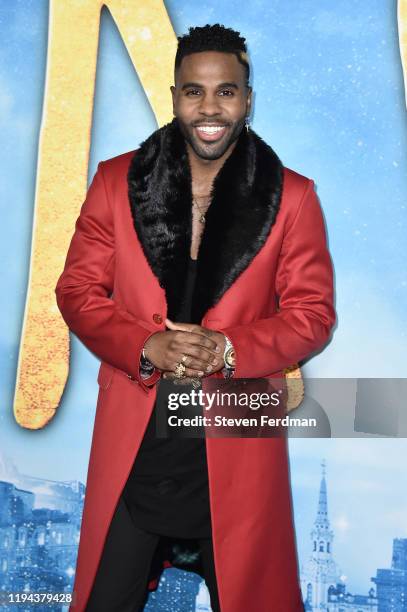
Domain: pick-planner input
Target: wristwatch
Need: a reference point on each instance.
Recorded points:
(229, 359)
(147, 368)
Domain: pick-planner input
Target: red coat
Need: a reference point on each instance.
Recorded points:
(277, 310)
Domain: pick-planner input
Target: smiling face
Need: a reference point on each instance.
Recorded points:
(211, 101)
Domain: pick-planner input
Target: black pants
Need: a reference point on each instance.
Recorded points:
(122, 576)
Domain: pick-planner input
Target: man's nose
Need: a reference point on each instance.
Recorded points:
(209, 105)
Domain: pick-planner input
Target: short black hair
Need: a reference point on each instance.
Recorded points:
(213, 38)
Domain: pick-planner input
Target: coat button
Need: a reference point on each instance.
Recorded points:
(157, 318)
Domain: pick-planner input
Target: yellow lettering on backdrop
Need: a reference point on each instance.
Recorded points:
(147, 33)
(402, 26)
(62, 172)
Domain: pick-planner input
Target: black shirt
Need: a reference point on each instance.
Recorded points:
(167, 489)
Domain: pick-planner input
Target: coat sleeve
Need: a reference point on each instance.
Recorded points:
(84, 288)
(304, 284)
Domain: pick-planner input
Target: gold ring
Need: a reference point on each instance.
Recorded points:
(180, 370)
(184, 358)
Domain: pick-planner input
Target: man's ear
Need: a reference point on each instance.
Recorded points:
(173, 91)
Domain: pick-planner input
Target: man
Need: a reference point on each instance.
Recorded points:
(258, 298)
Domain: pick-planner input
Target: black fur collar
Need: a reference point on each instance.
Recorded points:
(246, 199)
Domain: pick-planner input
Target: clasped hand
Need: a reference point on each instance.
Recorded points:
(202, 347)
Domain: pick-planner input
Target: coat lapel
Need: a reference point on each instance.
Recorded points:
(246, 197)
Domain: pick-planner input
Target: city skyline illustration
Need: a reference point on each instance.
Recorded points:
(39, 533)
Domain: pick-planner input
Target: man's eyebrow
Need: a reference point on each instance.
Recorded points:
(231, 85)
(200, 86)
(190, 84)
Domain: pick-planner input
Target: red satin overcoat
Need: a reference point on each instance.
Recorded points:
(110, 298)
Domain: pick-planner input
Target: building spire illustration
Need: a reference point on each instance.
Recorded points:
(320, 572)
(321, 521)
(323, 587)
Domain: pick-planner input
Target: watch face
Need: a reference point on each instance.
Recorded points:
(230, 358)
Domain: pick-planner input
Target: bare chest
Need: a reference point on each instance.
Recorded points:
(199, 209)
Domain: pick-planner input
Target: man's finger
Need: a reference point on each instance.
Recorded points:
(188, 327)
(197, 339)
(195, 329)
(189, 373)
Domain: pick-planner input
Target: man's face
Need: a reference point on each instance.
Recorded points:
(211, 101)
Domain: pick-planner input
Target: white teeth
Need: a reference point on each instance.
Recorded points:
(210, 129)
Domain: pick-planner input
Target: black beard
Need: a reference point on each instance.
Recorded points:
(211, 151)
